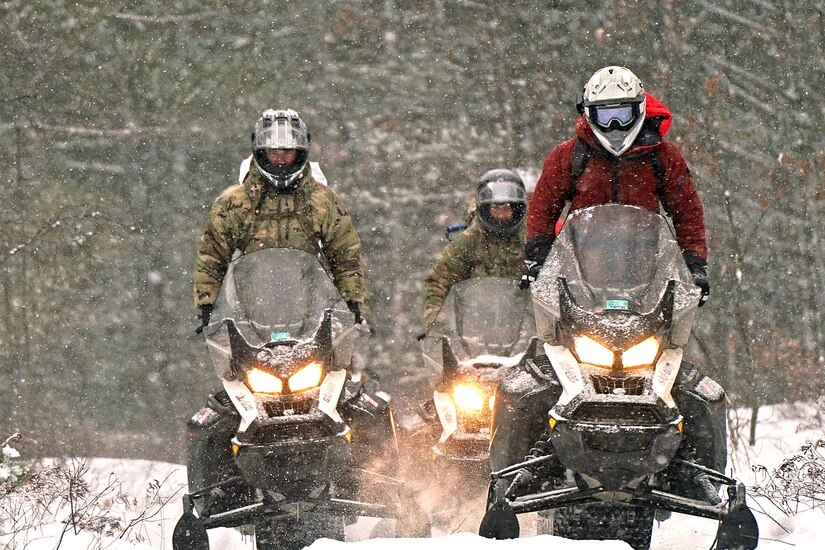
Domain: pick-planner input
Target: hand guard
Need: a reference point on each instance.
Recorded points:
(203, 315)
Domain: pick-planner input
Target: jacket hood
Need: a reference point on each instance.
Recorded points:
(658, 118)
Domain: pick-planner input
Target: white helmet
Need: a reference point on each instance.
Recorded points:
(613, 101)
(281, 129)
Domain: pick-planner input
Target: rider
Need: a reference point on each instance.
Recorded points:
(492, 245)
(618, 155)
(279, 205)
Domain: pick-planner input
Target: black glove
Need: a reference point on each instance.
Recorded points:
(699, 269)
(533, 269)
(535, 252)
(203, 315)
(355, 308)
(421, 336)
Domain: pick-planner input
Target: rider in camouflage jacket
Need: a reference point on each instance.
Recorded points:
(279, 205)
(492, 245)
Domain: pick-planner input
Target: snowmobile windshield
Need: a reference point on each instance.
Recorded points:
(487, 320)
(615, 258)
(277, 295)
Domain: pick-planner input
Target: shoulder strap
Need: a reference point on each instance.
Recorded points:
(658, 171)
(582, 153)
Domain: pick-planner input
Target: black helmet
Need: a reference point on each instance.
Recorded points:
(497, 187)
(282, 129)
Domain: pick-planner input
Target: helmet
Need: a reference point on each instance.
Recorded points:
(282, 129)
(613, 101)
(501, 187)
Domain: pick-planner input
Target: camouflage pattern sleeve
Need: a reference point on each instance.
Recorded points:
(453, 266)
(341, 245)
(224, 227)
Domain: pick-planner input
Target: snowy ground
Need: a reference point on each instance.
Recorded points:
(781, 432)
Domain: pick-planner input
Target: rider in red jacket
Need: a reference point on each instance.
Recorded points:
(618, 155)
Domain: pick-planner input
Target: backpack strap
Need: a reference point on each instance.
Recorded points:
(658, 171)
(582, 154)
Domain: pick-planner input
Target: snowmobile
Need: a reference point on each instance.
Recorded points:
(295, 445)
(632, 431)
(478, 336)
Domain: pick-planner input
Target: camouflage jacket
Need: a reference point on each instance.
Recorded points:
(252, 216)
(475, 253)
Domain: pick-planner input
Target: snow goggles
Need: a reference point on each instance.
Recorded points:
(612, 116)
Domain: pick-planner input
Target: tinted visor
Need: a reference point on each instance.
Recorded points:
(621, 116)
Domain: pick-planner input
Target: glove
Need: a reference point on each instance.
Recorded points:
(533, 269)
(699, 270)
(535, 252)
(355, 308)
(203, 315)
(421, 336)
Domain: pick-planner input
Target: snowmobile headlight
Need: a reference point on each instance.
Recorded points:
(468, 397)
(643, 353)
(307, 377)
(263, 382)
(592, 352)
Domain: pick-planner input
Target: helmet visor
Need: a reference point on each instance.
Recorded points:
(281, 134)
(499, 192)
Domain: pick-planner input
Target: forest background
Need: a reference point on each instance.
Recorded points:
(121, 122)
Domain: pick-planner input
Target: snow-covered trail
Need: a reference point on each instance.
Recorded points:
(782, 430)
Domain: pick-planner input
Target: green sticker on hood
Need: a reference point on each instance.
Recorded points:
(623, 305)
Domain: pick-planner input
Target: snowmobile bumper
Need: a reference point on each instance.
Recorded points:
(616, 457)
(737, 527)
(464, 449)
(190, 531)
(278, 465)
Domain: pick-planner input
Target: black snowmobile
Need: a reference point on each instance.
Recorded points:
(479, 336)
(632, 431)
(294, 445)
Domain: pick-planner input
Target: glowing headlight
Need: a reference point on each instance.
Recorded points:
(263, 382)
(590, 351)
(468, 397)
(307, 377)
(641, 354)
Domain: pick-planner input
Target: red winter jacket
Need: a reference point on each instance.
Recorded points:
(627, 179)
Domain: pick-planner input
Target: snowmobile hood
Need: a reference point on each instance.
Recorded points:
(621, 328)
(282, 360)
(658, 119)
